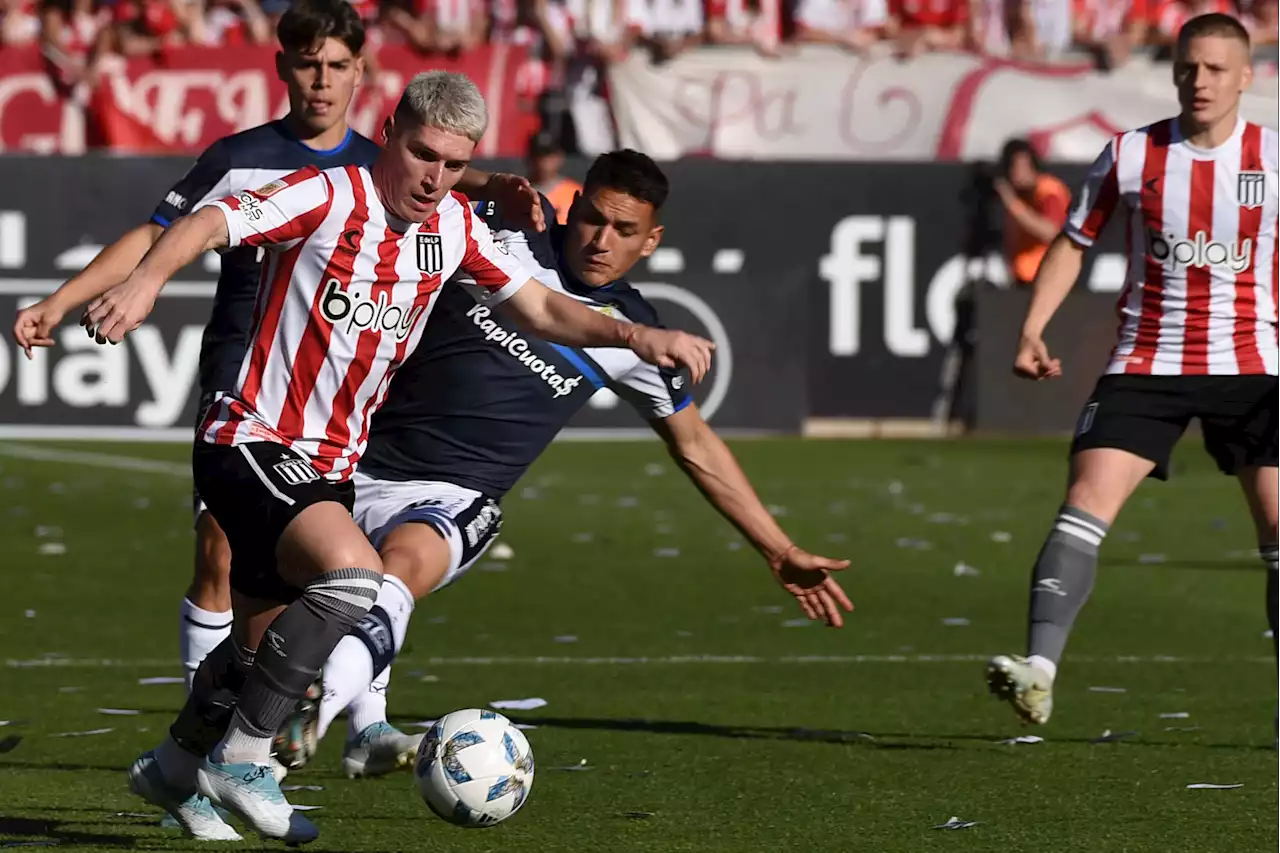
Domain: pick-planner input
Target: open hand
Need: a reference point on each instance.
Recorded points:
(806, 576)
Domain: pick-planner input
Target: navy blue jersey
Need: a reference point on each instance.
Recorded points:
(480, 399)
(244, 161)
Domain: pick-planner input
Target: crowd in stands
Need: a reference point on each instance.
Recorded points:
(74, 34)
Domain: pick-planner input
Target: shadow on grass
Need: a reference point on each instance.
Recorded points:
(870, 740)
(35, 830)
(1222, 565)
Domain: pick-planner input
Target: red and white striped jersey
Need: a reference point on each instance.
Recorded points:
(1201, 291)
(345, 293)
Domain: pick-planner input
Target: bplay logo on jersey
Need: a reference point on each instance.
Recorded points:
(1200, 251)
(359, 313)
(519, 349)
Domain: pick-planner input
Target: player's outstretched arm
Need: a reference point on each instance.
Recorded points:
(123, 308)
(35, 324)
(563, 320)
(709, 463)
(1057, 275)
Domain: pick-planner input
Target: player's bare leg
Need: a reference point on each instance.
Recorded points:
(415, 558)
(1262, 493)
(1260, 490)
(323, 553)
(1102, 480)
(205, 614)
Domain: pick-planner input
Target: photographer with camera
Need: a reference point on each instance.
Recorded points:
(1035, 208)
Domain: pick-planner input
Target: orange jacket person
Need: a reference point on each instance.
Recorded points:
(1035, 206)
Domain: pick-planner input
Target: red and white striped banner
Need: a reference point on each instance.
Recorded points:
(826, 104)
(184, 100)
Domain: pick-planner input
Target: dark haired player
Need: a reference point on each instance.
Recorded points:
(479, 401)
(1197, 337)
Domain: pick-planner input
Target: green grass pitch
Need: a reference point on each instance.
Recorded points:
(708, 720)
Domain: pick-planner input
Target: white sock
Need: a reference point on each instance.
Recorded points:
(241, 746)
(177, 766)
(1049, 667)
(369, 707)
(199, 632)
(348, 674)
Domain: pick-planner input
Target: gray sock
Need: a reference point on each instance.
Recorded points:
(1062, 580)
(298, 643)
(1269, 556)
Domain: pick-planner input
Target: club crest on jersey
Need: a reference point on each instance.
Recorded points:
(431, 254)
(1251, 189)
(295, 472)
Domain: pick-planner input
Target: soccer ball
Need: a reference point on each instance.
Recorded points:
(474, 768)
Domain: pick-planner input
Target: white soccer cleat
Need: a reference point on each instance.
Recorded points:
(190, 811)
(251, 793)
(1027, 688)
(378, 750)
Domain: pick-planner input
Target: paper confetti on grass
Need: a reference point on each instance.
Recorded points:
(88, 733)
(1108, 690)
(154, 680)
(1109, 736)
(956, 823)
(119, 712)
(1023, 739)
(518, 704)
(1210, 786)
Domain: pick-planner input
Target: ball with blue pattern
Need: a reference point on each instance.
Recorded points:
(474, 768)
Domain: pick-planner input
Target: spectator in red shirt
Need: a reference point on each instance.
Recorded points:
(926, 25)
(234, 22)
(72, 39)
(148, 26)
(1110, 29)
(1168, 16)
(1263, 22)
(19, 23)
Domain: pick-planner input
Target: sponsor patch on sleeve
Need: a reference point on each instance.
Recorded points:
(270, 189)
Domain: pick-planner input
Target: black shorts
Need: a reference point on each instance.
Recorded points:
(1146, 415)
(198, 506)
(254, 490)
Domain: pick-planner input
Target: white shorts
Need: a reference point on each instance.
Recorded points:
(466, 519)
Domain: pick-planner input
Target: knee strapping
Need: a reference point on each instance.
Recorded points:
(301, 638)
(345, 595)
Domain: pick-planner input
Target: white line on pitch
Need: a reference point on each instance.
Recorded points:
(95, 460)
(665, 660)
